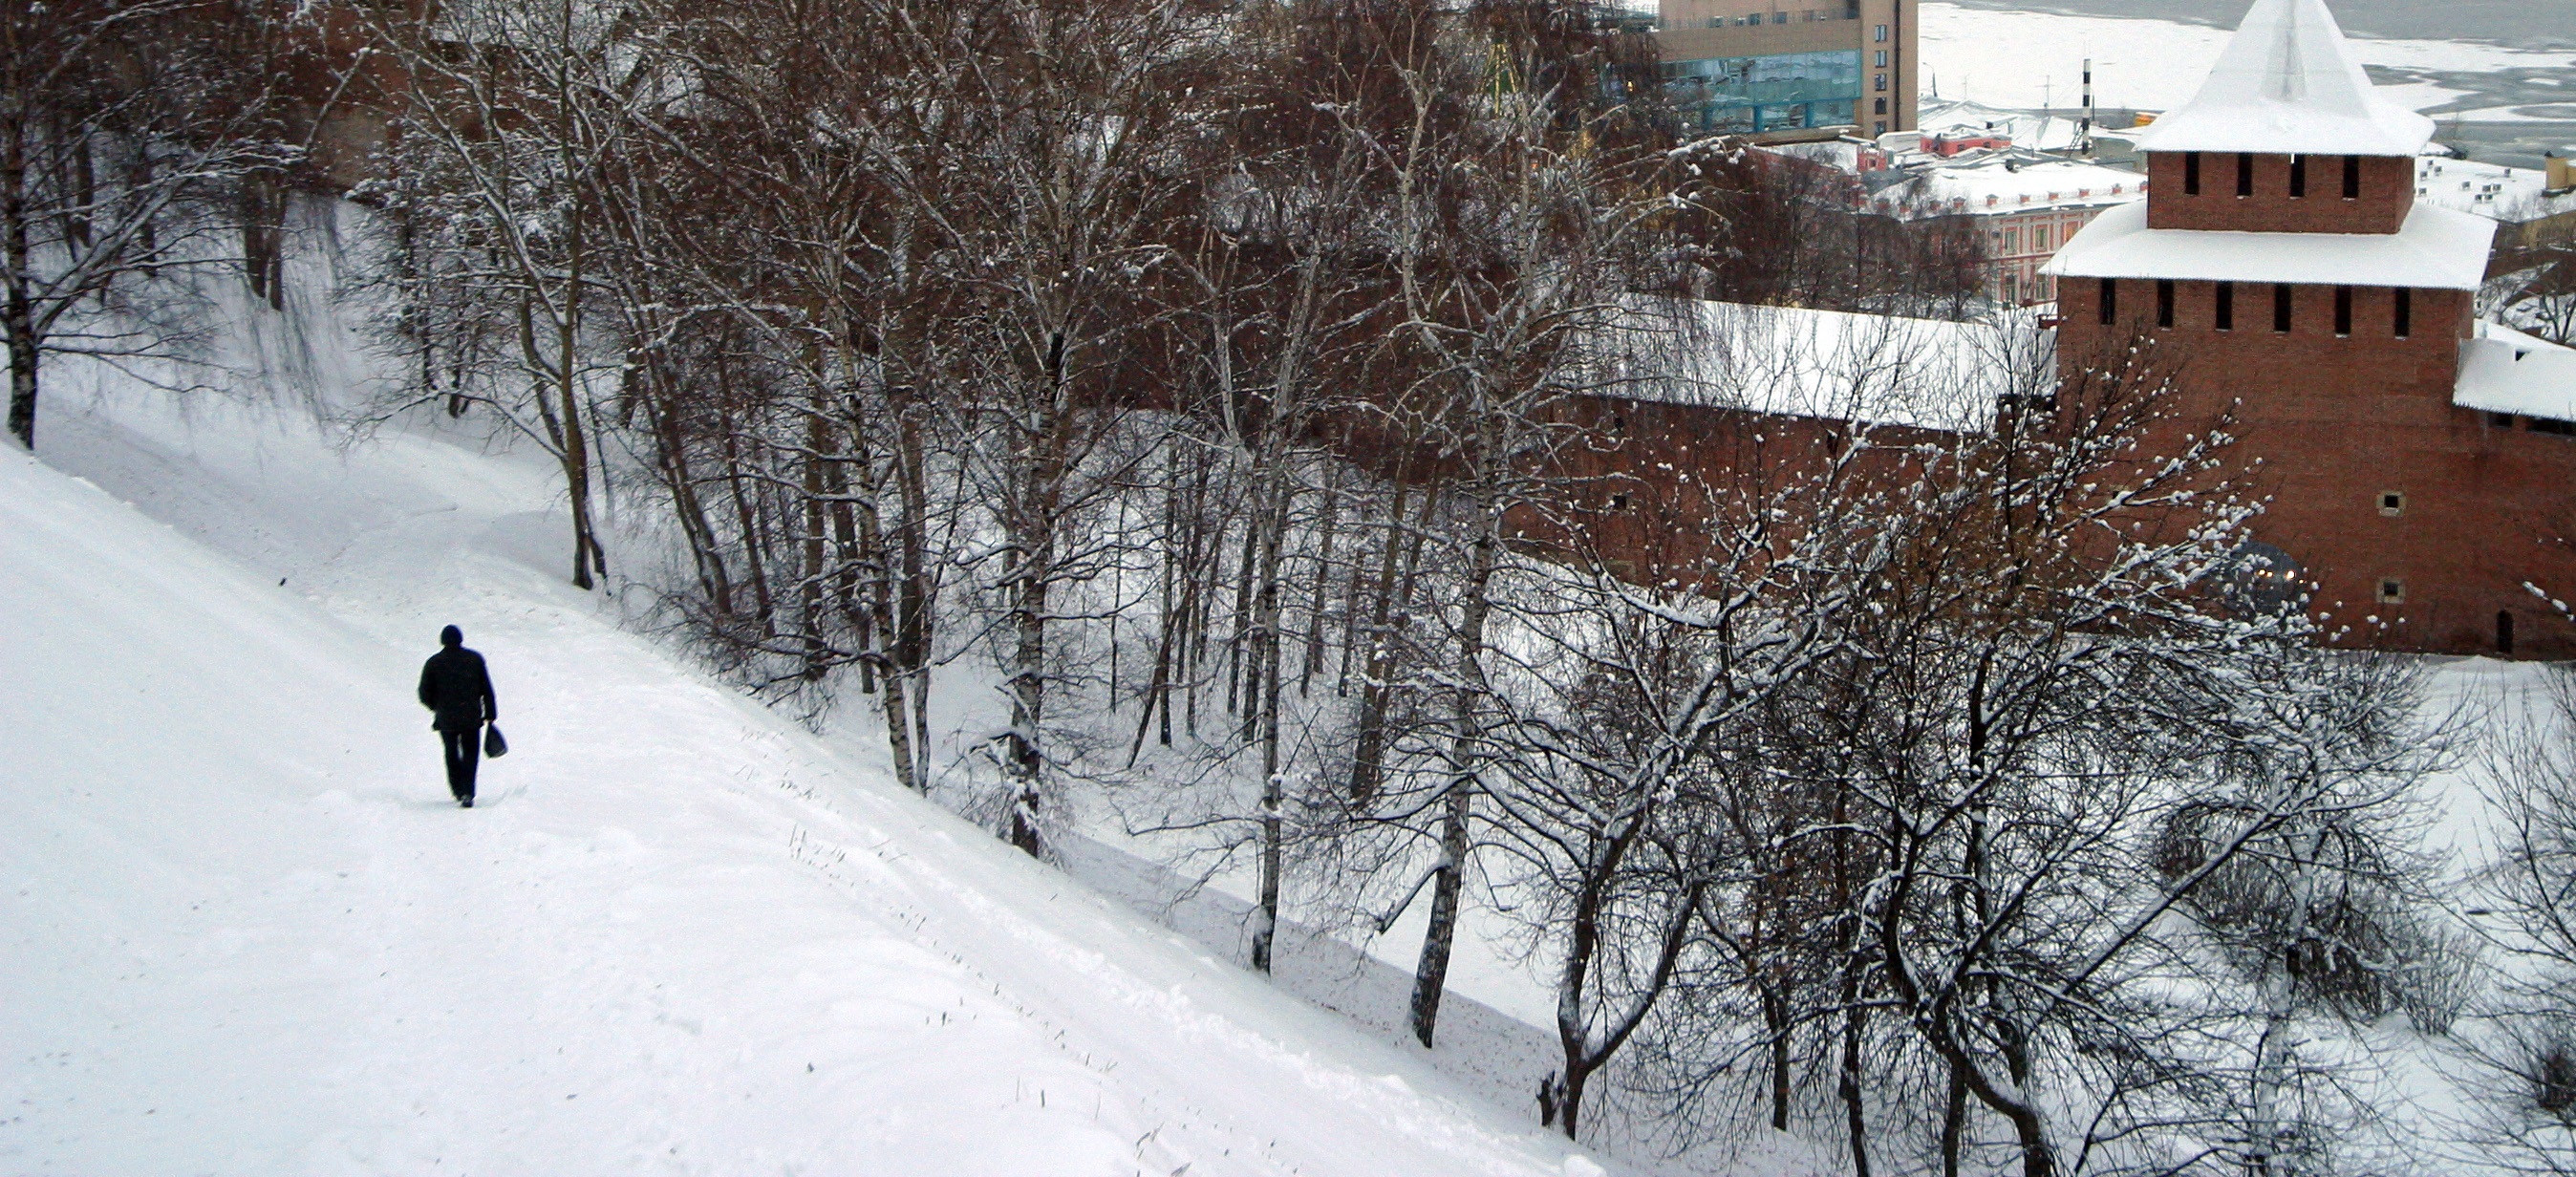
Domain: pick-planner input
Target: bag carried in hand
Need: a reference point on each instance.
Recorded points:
(493, 745)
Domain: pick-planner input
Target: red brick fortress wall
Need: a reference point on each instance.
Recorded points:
(2376, 480)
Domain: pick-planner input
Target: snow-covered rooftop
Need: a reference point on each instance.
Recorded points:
(2436, 249)
(2288, 83)
(2002, 185)
(1797, 362)
(2038, 130)
(2505, 371)
(2510, 195)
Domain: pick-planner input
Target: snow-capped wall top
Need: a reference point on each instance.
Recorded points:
(2289, 84)
(2505, 371)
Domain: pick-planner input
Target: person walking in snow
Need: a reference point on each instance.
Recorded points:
(455, 685)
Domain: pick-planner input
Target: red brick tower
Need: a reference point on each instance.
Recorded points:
(2422, 472)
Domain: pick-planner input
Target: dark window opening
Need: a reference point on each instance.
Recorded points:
(2352, 177)
(2110, 301)
(2165, 303)
(2298, 176)
(2500, 420)
(2392, 503)
(2554, 428)
(2191, 173)
(2281, 307)
(2245, 173)
(2343, 310)
(2504, 631)
(1882, 107)
(2392, 592)
(2405, 312)
(2226, 315)
(1619, 502)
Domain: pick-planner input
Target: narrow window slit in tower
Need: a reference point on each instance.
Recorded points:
(2110, 301)
(2281, 307)
(2298, 177)
(2405, 312)
(2165, 303)
(2245, 173)
(2343, 310)
(2352, 177)
(2191, 173)
(2226, 306)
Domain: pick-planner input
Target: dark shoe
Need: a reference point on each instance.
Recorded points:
(467, 802)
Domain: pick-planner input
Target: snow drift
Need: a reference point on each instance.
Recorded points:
(245, 931)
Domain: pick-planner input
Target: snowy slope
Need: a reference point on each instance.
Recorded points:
(243, 931)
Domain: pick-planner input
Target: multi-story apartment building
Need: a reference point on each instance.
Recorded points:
(1745, 66)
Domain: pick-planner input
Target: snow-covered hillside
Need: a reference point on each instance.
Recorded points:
(244, 931)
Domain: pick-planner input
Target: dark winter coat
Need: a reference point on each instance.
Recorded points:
(454, 684)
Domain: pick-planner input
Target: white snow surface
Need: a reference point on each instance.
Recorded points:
(2436, 248)
(1832, 365)
(2509, 195)
(244, 930)
(2288, 83)
(1987, 187)
(2030, 60)
(1958, 117)
(2505, 371)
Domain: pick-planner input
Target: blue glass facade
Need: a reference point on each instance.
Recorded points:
(1734, 94)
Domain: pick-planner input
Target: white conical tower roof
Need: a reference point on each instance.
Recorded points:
(2287, 84)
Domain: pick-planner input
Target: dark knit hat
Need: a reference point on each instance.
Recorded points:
(451, 636)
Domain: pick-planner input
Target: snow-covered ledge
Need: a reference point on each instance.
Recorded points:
(2505, 371)
(2436, 249)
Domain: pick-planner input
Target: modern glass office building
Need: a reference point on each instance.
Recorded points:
(1771, 92)
(1745, 66)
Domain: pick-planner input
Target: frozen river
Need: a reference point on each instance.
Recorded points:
(2498, 75)
(2526, 24)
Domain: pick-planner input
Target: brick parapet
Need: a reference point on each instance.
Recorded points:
(2387, 194)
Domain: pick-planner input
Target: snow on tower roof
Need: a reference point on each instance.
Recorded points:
(2437, 249)
(2288, 84)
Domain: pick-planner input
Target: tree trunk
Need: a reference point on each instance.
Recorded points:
(1775, 1024)
(1430, 976)
(1323, 577)
(1270, 523)
(1954, 1124)
(263, 232)
(1847, 1086)
(586, 551)
(1368, 761)
(16, 241)
(21, 330)
(1039, 470)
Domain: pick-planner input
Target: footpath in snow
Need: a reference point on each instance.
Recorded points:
(243, 930)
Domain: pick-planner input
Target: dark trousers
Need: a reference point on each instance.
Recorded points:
(464, 749)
